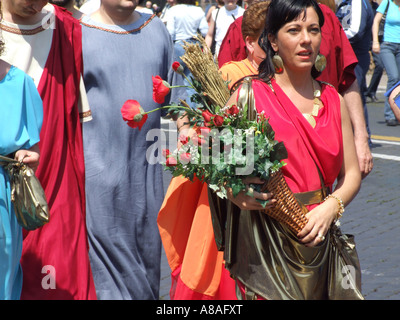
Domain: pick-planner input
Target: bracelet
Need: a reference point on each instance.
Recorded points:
(340, 204)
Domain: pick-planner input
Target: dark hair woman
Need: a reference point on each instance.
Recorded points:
(267, 259)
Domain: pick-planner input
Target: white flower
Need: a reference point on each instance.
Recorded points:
(249, 131)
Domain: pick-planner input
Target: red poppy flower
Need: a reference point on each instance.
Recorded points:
(234, 110)
(166, 153)
(202, 134)
(160, 89)
(176, 66)
(183, 139)
(204, 131)
(197, 141)
(218, 120)
(171, 162)
(207, 115)
(134, 114)
(185, 157)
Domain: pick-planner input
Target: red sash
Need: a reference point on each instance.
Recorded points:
(55, 258)
(307, 147)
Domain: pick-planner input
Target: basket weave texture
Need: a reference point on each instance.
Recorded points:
(286, 210)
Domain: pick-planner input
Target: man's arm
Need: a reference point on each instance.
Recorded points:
(354, 105)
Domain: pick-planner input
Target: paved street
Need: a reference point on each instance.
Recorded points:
(373, 217)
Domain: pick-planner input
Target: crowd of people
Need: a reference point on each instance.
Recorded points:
(66, 69)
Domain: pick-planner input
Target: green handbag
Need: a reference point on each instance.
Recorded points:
(27, 194)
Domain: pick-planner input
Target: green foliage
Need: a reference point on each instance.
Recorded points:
(228, 153)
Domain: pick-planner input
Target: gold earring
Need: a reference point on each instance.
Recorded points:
(320, 63)
(278, 63)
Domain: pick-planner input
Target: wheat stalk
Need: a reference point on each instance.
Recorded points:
(205, 70)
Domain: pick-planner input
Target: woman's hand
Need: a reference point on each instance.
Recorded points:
(29, 157)
(319, 221)
(376, 48)
(246, 202)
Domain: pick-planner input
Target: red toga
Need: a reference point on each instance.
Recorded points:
(55, 259)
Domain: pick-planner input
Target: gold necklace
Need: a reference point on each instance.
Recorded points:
(310, 117)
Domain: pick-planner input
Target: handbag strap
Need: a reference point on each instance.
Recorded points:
(215, 24)
(5, 161)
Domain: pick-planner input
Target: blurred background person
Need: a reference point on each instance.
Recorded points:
(356, 17)
(185, 20)
(394, 100)
(145, 7)
(220, 22)
(252, 27)
(211, 8)
(164, 13)
(370, 93)
(389, 49)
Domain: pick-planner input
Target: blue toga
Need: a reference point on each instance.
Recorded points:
(21, 116)
(124, 191)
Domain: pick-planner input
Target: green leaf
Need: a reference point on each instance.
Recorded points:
(236, 188)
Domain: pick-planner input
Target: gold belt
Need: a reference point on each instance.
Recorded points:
(312, 197)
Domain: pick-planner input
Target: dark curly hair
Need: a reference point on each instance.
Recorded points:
(279, 13)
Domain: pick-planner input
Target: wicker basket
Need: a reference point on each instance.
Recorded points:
(286, 210)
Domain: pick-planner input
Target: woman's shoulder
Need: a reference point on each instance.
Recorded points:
(4, 69)
(12, 73)
(330, 94)
(230, 64)
(328, 89)
(326, 86)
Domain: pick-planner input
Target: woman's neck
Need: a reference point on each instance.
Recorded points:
(252, 62)
(301, 84)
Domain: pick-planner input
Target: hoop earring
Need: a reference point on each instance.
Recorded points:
(278, 63)
(320, 63)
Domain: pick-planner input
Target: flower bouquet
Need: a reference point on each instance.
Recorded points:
(224, 144)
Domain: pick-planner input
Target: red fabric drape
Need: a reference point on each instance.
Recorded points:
(55, 259)
(307, 147)
(185, 226)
